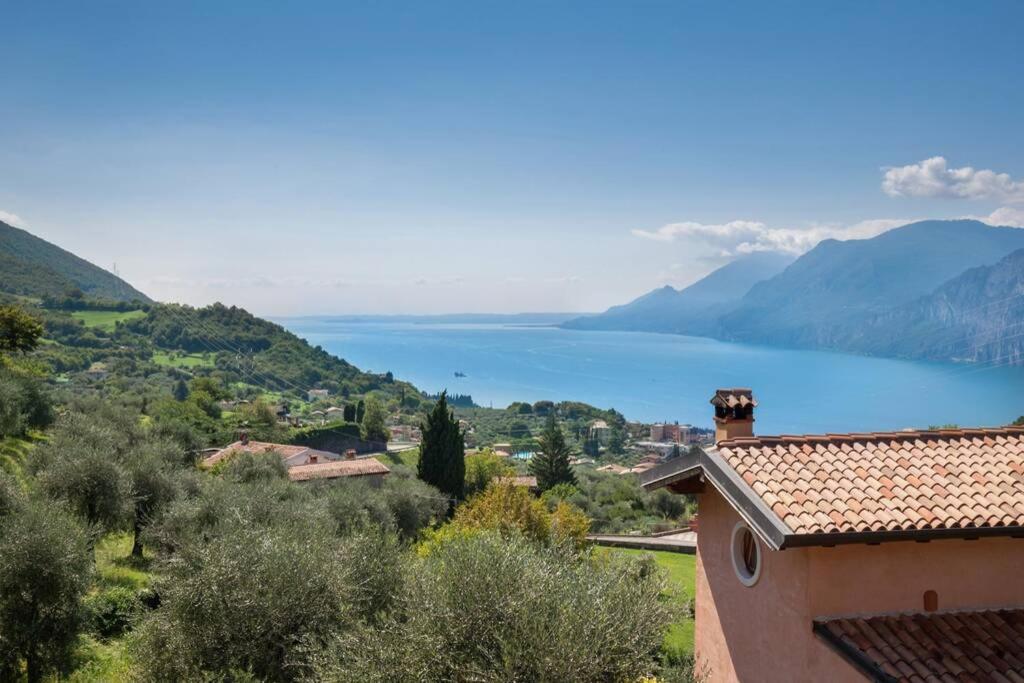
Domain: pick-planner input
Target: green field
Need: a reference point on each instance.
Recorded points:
(409, 458)
(106, 320)
(183, 360)
(681, 571)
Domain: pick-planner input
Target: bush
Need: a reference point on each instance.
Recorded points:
(483, 468)
(414, 504)
(45, 567)
(513, 510)
(111, 611)
(355, 506)
(247, 468)
(489, 608)
(24, 403)
(257, 600)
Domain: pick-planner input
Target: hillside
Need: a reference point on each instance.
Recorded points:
(30, 266)
(693, 309)
(822, 298)
(976, 316)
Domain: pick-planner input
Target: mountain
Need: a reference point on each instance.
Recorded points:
(33, 267)
(831, 291)
(976, 316)
(693, 309)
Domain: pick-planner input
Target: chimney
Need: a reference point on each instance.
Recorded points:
(312, 460)
(734, 413)
(350, 454)
(245, 438)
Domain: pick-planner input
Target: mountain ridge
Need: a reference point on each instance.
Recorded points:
(33, 267)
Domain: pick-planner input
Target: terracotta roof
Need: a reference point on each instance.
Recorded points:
(730, 398)
(983, 647)
(359, 467)
(285, 450)
(884, 482)
(519, 480)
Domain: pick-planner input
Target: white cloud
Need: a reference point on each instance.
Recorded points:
(933, 178)
(13, 219)
(745, 237)
(1004, 216)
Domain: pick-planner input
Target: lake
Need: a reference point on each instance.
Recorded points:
(655, 377)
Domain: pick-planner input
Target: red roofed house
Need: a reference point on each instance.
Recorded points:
(304, 463)
(852, 557)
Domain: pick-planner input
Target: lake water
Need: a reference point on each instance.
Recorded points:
(654, 377)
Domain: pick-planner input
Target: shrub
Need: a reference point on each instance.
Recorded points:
(492, 608)
(483, 468)
(45, 567)
(258, 600)
(247, 468)
(512, 510)
(110, 612)
(355, 506)
(414, 504)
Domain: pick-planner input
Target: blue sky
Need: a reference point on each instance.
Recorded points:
(411, 157)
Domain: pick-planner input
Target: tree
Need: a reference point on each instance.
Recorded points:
(551, 464)
(675, 452)
(349, 412)
(154, 485)
(45, 567)
(19, 331)
(617, 442)
(180, 391)
(443, 451)
(374, 421)
(482, 468)
(592, 446)
(92, 483)
(360, 411)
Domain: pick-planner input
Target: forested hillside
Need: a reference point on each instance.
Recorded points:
(33, 267)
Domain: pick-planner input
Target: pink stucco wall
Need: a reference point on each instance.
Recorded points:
(763, 633)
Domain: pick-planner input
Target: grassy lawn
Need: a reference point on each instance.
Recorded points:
(106, 320)
(409, 458)
(116, 567)
(681, 571)
(183, 360)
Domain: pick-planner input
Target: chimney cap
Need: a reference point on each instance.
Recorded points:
(730, 398)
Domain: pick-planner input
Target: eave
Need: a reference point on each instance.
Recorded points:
(688, 473)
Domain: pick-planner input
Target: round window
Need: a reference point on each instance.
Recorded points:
(746, 554)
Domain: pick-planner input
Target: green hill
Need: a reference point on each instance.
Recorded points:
(30, 266)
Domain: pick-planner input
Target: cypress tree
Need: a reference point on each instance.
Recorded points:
(443, 451)
(180, 391)
(551, 465)
(360, 411)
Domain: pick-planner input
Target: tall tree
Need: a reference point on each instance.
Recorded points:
(180, 391)
(443, 451)
(360, 411)
(551, 465)
(374, 421)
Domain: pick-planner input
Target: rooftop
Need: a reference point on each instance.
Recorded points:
(334, 469)
(284, 450)
(983, 646)
(815, 490)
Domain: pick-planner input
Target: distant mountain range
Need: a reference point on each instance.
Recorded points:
(930, 289)
(692, 310)
(33, 267)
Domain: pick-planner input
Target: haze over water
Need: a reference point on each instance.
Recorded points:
(654, 377)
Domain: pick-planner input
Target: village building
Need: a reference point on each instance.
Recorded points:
(317, 394)
(600, 431)
(851, 557)
(672, 433)
(334, 414)
(304, 463)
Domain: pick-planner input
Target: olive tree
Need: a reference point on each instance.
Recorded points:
(45, 566)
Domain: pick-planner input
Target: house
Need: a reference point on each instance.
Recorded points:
(316, 394)
(851, 557)
(291, 454)
(304, 463)
(370, 470)
(613, 468)
(334, 414)
(673, 433)
(600, 431)
(520, 480)
(97, 371)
